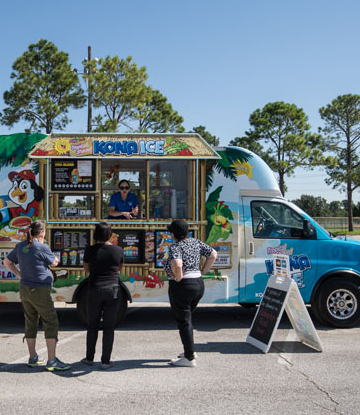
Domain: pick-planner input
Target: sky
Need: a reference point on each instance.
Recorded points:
(215, 61)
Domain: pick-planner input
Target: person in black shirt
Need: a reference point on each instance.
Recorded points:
(103, 261)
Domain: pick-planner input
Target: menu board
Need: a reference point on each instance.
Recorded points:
(132, 242)
(72, 174)
(69, 246)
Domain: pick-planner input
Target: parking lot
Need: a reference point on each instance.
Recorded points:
(231, 377)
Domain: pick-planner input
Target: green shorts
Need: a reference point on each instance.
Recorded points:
(37, 302)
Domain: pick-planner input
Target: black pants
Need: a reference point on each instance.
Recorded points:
(101, 302)
(184, 297)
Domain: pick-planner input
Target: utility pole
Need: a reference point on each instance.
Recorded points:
(89, 120)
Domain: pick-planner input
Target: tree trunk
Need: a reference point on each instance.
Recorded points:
(282, 183)
(350, 212)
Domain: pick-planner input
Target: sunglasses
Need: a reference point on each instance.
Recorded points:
(124, 187)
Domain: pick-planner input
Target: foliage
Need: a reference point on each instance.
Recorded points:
(313, 205)
(45, 88)
(14, 148)
(224, 165)
(209, 138)
(342, 129)
(284, 129)
(157, 115)
(117, 86)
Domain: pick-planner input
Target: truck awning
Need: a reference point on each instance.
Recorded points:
(101, 145)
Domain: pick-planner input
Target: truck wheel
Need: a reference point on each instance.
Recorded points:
(81, 307)
(338, 303)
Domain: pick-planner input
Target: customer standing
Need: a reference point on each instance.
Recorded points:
(186, 285)
(103, 261)
(34, 258)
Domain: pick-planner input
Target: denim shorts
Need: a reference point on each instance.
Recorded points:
(37, 302)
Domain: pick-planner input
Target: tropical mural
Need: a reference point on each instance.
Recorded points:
(20, 193)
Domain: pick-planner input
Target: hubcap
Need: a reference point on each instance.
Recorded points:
(341, 304)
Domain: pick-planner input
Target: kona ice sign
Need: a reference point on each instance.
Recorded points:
(100, 145)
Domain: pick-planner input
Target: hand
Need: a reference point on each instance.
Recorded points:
(127, 215)
(135, 210)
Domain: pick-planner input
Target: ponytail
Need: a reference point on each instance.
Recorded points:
(35, 230)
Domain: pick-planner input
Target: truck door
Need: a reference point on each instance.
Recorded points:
(274, 227)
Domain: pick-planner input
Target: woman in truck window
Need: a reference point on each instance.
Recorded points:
(186, 285)
(123, 204)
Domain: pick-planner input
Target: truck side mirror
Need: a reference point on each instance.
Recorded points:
(306, 227)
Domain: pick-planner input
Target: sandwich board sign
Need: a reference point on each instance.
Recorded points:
(282, 293)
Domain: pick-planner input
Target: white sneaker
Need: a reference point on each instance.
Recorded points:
(183, 355)
(184, 362)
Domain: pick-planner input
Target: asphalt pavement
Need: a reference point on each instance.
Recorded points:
(231, 377)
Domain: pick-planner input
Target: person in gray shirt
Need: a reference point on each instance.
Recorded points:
(34, 258)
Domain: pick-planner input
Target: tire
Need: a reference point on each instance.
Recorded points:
(338, 303)
(82, 313)
(248, 305)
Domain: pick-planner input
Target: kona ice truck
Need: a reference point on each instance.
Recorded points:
(229, 197)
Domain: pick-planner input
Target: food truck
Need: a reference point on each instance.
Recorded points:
(228, 195)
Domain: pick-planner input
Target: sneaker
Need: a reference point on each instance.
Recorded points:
(105, 366)
(87, 362)
(56, 364)
(183, 355)
(184, 362)
(35, 361)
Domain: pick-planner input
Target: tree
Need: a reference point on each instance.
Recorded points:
(313, 205)
(342, 127)
(250, 144)
(45, 88)
(336, 208)
(210, 139)
(118, 87)
(157, 115)
(284, 129)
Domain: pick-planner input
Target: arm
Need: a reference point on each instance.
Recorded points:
(116, 213)
(86, 267)
(209, 262)
(11, 267)
(176, 268)
(55, 263)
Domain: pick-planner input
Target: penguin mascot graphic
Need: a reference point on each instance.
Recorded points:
(24, 193)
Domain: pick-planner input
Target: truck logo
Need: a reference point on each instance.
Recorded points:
(154, 147)
(298, 264)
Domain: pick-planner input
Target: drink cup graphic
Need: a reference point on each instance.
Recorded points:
(81, 256)
(64, 258)
(73, 257)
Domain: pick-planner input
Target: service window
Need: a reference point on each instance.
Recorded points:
(171, 189)
(76, 206)
(275, 220)
(112, 171)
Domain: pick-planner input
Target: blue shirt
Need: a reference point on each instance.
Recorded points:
(123, 205)
(34, 263)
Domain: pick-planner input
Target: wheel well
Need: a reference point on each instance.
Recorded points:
(345, 274)
(83, 284)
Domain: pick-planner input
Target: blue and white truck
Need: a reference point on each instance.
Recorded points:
(228, 195)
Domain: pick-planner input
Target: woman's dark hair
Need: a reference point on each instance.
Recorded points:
(124, 181)
(35, 230)
(102, 232)
(179, 228)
